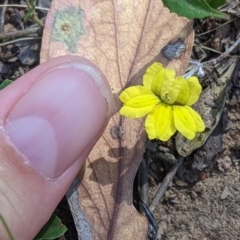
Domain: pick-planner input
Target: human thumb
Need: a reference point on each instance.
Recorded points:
(50, 120)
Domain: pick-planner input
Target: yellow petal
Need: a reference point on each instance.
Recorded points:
(195, 90)
(197, 118)
(168, 79)
(184, 121)
(179, 91)
(159, 123)
(150, 74)
(138, 101)
(159, 80)
(132, 92)
(184, 91)
(157, 83)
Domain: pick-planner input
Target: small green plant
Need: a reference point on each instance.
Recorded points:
(195, 8)
(31, 13)
(5, 83)
(52, 229)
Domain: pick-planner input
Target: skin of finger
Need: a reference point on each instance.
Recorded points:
(27, 199)
(18, 88)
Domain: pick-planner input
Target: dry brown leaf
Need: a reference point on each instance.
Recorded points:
(122, 37)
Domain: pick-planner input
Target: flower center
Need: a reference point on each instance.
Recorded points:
(166, 99)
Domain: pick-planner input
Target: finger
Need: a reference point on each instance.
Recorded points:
(51, 118)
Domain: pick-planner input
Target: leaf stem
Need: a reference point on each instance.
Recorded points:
(31, 7)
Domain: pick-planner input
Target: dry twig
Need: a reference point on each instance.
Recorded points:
(143, 175)
(2, 12)
(20, 33)
(20, 39)
(165, 183)
(223, 55)
(22, 6)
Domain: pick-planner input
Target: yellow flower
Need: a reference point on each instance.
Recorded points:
(166, 101)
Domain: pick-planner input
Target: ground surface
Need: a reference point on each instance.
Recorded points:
(203, 201)
(204, 204)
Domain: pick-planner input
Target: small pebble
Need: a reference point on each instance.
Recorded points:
(174, 201)
(180, 183)
(199, 187)
(202, 175)
(225, 193)
(193, 195)
(226, 166)
(13, 59)
(152, 146)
